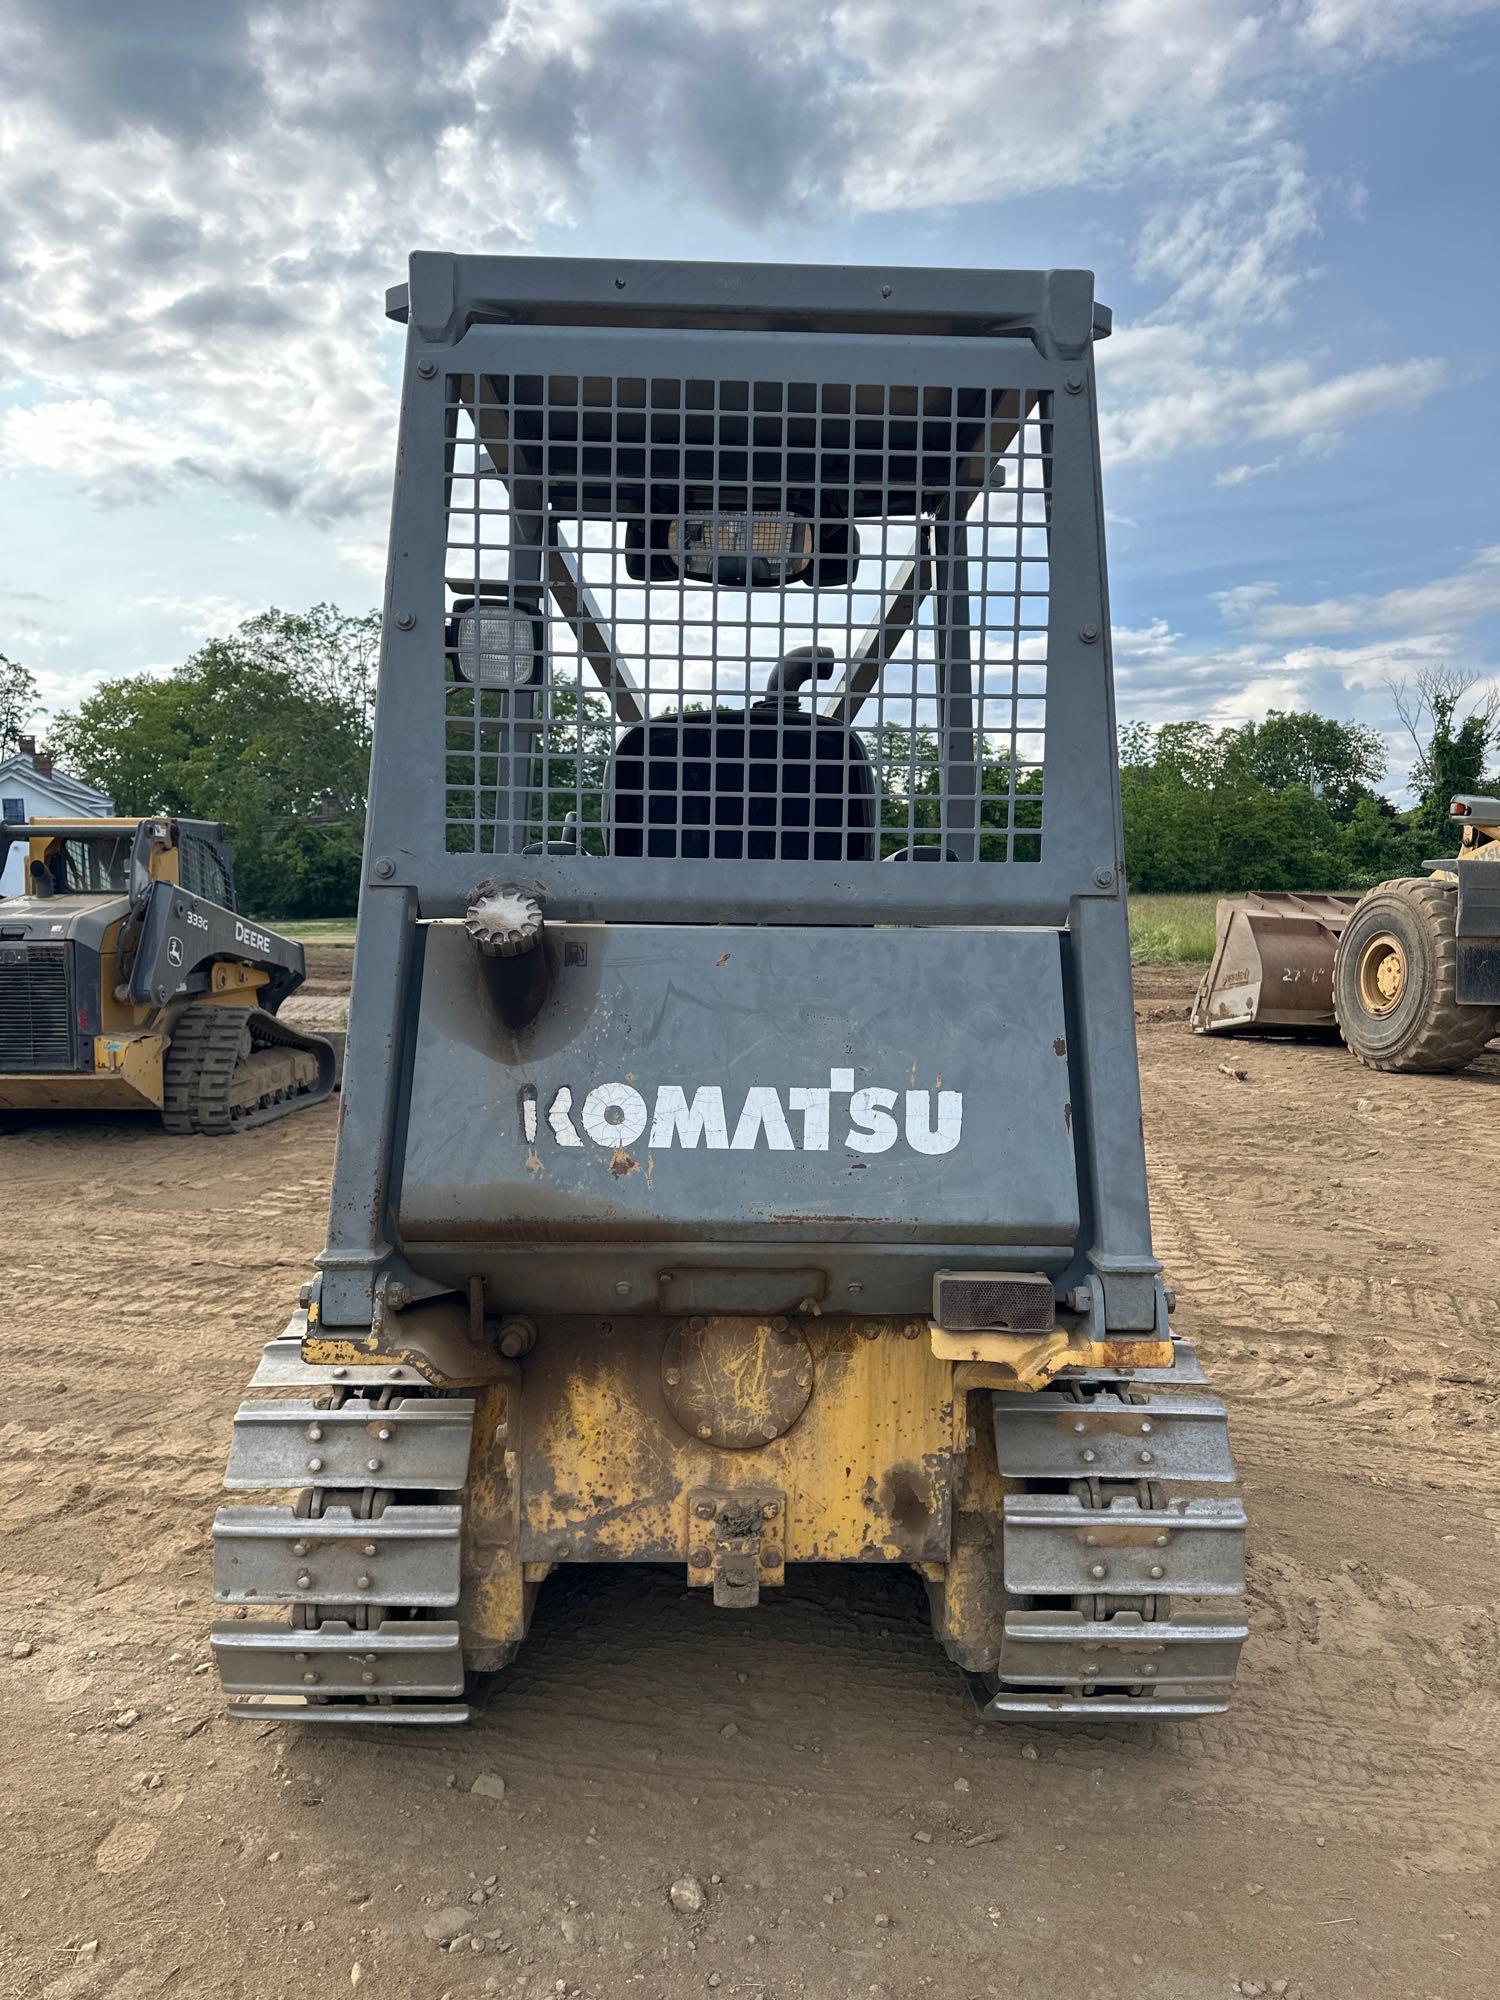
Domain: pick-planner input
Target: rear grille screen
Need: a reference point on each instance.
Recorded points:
(1012, 1300)
(35, 1008)
(674, 540)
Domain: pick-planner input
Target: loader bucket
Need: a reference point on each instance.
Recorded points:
(1272, 968)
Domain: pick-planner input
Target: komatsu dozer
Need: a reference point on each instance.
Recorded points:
(1408, 973)
(741, 1158)
(129, 981)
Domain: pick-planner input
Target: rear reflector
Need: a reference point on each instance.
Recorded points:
(984, 1301)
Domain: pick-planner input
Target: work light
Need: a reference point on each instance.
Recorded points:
(759, 547)
(494, 645)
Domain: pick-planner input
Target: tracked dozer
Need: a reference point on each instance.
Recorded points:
(130, 981)
(1408, 973)
(741, 1158)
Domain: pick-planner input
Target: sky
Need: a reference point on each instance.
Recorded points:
(1290, 208)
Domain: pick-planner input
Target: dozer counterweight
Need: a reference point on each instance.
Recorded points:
(130, 981)
(741, 1157)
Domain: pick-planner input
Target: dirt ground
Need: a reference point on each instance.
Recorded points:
(818, 1764)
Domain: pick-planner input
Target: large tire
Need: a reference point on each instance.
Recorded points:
(1393, 982)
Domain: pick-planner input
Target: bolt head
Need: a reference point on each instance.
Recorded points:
(705, 1430)
(339, 1374)
(383, 1433)
(622, 1289)
(299, 1548)
(1074, 385)
(779, 1324)
(372, 1464)
(385, 868)
(312, 1679)
(426, 368)
(1091, 1541)
(314, 1432)
(406, 620)
(368, 1678)
(770, 1510)
(1098, 1571)
(1161, 1541)
(1080, 1426)
(1157, 1570)
(1146, 1457)
(304, 1581)
(771, 1558)
(672, 1377)
(704, 1509)
(1104, 878)
(1088, 633)
(370, 1548)
(698, 1558)
(855, 1288)
(1148, 1670)
(1147, 1427)
(362, 1583)
(868, 1332)
(1089, 1457)
(315, 1465)
(769, 1432)
(697, 1323)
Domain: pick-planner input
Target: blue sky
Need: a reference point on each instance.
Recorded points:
(1290, 208)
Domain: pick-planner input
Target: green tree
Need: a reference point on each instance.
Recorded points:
(18, 701)
(267, 730)
(1338, 762)
(1452, 729)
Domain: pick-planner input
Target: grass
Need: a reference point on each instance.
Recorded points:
(314, 930)
(1175, 930)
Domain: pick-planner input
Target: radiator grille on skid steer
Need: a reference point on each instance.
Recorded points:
(35, 1008)
(980, 1301)
(746, 620)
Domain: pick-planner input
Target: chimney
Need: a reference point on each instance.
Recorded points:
(41, 763)
(27, 747)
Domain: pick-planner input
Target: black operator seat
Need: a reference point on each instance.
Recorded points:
(770, 782)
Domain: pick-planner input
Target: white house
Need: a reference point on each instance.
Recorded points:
(31, 788)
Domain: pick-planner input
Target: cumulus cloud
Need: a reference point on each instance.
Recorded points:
(1169, 393)
(1443, 605)
(200, 206)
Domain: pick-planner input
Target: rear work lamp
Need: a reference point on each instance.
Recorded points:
(737, 549)
(495, 645)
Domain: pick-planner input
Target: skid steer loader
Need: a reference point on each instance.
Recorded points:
(741, 1156)
(129, 981)
(1408, 973)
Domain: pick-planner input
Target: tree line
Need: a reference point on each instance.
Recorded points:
(268, 730)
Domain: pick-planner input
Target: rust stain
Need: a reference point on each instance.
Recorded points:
(721, 961)
(1059, 1047)
(622, 1163)
(1067, 1117)
(533, 1164)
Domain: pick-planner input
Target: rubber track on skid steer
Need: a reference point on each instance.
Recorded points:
(367, 1557)
(1122, 1507)
(203, 1060)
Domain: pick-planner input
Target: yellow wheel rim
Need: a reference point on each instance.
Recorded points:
(1382, 974)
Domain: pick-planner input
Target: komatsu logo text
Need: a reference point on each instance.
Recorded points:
(784, 1119)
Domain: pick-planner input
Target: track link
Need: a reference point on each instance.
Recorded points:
(1123, 1546)
(366, 1557)
(228, 1068)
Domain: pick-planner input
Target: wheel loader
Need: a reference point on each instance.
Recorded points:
(740, 1163)
(129, 981)
(1408, 973)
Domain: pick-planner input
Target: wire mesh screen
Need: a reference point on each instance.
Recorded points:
(736, 619)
